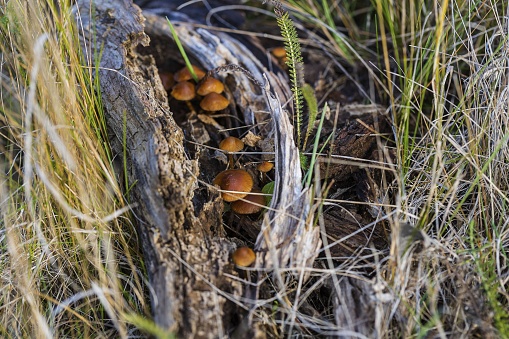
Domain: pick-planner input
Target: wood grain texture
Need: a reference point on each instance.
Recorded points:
(186, 261)
(288, 237)
(186, 253)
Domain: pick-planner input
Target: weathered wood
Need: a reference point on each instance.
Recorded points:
(288, 230)
(354, 309)
(288, 237)
(185, 259)
(186, 254)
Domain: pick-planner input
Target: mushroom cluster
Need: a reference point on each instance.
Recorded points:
(208, 89)
(237, 184)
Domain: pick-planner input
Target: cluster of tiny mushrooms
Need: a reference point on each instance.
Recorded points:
(236, 184)
(209, 88)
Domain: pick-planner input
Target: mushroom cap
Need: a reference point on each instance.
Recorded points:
(236, 180)
(210, 85)
(213, 102)
(185, 75)
(244, 256)
(265, 166)
(231, 144)
(252, 203)
(166, 80)
(183, 91)
(279, 52)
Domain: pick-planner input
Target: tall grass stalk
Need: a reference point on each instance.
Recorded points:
(450, 114)
(182, 51)
(442, 72)
(69, 264)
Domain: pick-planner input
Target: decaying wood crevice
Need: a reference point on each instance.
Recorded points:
(354, 164)
(173, 238)
(287, 216)
(197, 291)
(188, 258)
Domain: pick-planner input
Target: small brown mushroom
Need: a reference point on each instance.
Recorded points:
(213, 102)
(252, 203)
(279, 52)
(210, 85)
(243, 256)
(231, 144)
(238, 181)
(166, 80)
(185, 75)
(265, 166)
(183, 91)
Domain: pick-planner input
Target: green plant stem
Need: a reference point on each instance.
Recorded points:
(182, 51)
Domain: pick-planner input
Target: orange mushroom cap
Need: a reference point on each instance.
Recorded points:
(279, 52)
(210, 85)
(265, 166)
(231, 144)
(236, 180)
(166, 80)
(252, 203)
(214, 102)
(185, 75)
(183, 91)
(244, 256)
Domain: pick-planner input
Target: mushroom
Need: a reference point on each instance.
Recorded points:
(231, 144)
(210, 85)
(265, 166)
(252, 203)
(183, 91)
(185, 75)
(237, 182)
(279, 52)
(243, 256)
(213, 102)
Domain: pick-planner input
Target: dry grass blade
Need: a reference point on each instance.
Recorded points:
(449, 258)
(64, 227)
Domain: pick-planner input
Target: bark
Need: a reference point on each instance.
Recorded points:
(186, 261)
(186, 252)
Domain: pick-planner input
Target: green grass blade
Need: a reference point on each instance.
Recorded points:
(310, 98)
(182, 51)
(308, 176)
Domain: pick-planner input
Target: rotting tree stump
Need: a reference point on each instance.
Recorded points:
(186, 252)
(175, 240)
(197, 292)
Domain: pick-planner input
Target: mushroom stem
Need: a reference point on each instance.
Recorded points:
(229, 145)
(191, 108)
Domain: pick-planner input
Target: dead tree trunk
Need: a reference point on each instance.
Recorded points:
(186, 252)
(185, 260)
